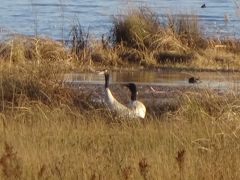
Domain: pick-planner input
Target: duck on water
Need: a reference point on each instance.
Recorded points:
(134, 110)
(193, 80)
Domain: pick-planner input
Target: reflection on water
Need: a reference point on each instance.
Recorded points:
(219, 81)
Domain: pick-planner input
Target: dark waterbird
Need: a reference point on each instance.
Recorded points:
(193, 80)
(203, 6)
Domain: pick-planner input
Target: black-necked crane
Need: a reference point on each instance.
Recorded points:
(135, 108)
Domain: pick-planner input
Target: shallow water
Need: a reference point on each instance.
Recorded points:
(208, 80)
(54, 18)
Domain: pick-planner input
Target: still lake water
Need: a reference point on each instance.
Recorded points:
(220, 81)
(53, 18)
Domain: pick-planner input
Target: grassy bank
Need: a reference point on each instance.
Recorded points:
(139, 39)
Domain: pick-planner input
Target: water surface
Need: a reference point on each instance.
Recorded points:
(220, 81)
(54, 18)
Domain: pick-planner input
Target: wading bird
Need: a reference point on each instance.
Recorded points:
(135, 108)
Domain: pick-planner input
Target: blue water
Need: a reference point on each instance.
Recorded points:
(54, 18)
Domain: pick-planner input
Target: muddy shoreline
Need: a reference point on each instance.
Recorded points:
(157, 99)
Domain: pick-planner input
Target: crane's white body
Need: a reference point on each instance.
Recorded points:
(138, 108)
(135, 109)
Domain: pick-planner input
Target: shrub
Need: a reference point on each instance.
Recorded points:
(134, 29)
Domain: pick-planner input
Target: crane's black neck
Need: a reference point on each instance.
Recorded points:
(106, 80)
(132, 87)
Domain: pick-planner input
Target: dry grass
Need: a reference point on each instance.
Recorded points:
(187, 29)
(135, 28)
(51, 132)
(148, 40)
(48, 131)
(39, 141)
(22, 49)
(139, 38)
(79, 42)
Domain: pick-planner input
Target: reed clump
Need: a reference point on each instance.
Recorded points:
(187, 29)
(20, 83)
(21, 49)
(173, 40)
(134, 29)
(79, 42)
(143, 30)
(30, 83)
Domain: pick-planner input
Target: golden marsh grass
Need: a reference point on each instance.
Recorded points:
(198, 141)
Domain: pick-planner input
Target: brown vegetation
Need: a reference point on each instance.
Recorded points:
(65, 141)
(138, 38)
